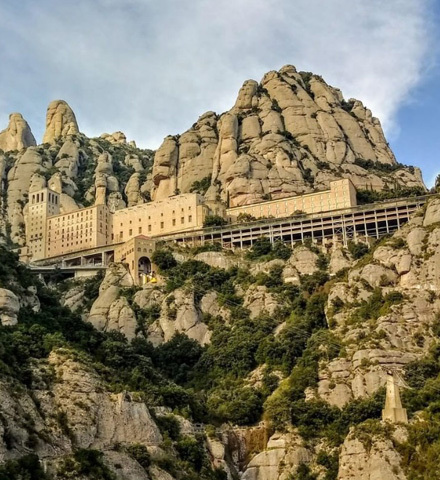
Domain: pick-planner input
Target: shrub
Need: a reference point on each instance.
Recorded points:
(245, 218)
(168, 424)
(281, 250)
(214, 221)
(232, 402)
(27, 467)
(140, 454)
(357, 250)
(262, 246)
(191, 450)
(201, 186)
(164, 259)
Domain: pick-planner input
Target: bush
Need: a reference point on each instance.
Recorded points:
(201, 186)
(24, 468)
(164, 259)
(262, 246)
(372, 196)
(245, 218)
(214, 221)
(357, 250)
(191, 450)
(232, 402)
(168, 424)
(140, 454)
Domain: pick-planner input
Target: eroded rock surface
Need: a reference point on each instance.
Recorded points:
(17, 135)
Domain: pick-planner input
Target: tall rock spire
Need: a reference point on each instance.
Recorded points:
(60, 121)
(17, 135)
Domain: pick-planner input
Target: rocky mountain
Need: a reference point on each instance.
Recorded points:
(289, 134)
(266, 364)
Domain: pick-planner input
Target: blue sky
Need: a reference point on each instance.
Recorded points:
(150, 68)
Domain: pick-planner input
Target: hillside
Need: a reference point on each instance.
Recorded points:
(261, 364)
(300, 339)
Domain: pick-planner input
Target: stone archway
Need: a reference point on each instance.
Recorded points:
(144, 266)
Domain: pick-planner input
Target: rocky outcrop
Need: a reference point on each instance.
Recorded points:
(373, 461)
(179, 314)
(110, 419)
(281, 458)
(217, 259)
(60, 122)
(258, 300)
(302, 262)
(404, 270)
(116, 137)
(110, 311)
(17, 135)
(291, 133)
(9, 307)
(180, 161)
(75, 410)
(22, 177)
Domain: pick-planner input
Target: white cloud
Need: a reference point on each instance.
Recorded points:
(150, 68)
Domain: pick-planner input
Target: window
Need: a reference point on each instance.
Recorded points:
(161, 224)
(174, 222)
(149, 228)
(140, 229)
(182, 220)
(130, 232)
(190, 218)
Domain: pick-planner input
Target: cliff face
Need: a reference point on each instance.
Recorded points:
(291, 133)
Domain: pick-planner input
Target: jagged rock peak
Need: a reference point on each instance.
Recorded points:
(17, 135)
(291, 133)
(60, 121)
(115, 138)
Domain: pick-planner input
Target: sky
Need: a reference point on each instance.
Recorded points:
(150, 68)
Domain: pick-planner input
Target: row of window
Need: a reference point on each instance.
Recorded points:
(39, 197)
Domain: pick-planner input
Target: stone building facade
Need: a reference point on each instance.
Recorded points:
(342, 194)
(50, 233)
(42, 205)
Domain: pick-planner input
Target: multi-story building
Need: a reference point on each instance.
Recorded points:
(51, 234)
(80, 230)
(43, 204)
(342, 194)
(173, 214)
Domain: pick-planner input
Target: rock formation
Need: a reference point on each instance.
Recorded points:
(291, 133)
(9, 307)
(17, 135)
(60, 122)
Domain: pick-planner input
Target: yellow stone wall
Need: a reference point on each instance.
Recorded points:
(42, 205)
(86, 228)
(342, 194)
(136, 254)
(170, 215)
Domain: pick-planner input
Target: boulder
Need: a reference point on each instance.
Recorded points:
(9, 307)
